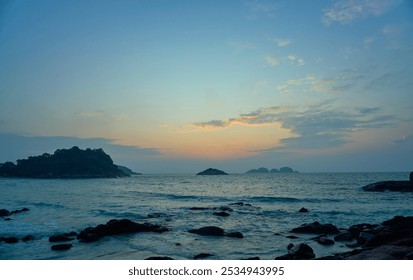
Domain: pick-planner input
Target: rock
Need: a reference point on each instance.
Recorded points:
(411, 177)
(252, 259)
(241, 204)
(199, 208)
(303, 210)
(393, 186)
(325, 241)
(60, 238)
(28, 238)
(364, 237)
(202, 256)
(301, 252)
(212, 171)
(291, 237)
(7, 219)
(115, 227)
(209, 230)
(289, 246)
(344, 237)
(61, 247)
(226, 208)
(298, 252)
(4, 213)
(235, 235)
(316, 228)
(9, 240)
(356, 229)
(160, 258)
(19, 211)
(221, 214)
(259, 170)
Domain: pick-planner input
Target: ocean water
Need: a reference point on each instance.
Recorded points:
(59, 206)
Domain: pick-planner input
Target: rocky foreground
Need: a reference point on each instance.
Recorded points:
(390, 240)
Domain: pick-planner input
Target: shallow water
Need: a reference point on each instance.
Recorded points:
(58, 206)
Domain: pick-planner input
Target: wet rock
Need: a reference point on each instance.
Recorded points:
(4, 213)
(325, 241)
(19, 211)
(221, 214)
(7, 219)
(226, 209)
(344, 237)
(9, 240)
(235, 234)
(199, 208)
(240, 204)
(115, 227)
(60, 238)
(291, 237)
(303, 210)
(364, 237)
(202, 256)
(356, 229)
(61, 247)
(298, 252)
(317, 228)
(160, 258)
(28, 238)
(289, 246)
(209, 230)
(251, 259)
(392, 186)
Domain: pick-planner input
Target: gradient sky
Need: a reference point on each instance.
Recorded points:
(179, 86)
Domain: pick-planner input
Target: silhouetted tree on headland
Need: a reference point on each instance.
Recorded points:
(64, 163)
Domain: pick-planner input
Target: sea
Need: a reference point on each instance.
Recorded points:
(265, 207)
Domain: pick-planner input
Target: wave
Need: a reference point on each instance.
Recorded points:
(122, 215)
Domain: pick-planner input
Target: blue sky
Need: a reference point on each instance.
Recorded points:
(178, 86)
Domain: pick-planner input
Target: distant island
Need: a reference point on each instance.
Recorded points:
(284, 169)
(212, 171)
(65, 163)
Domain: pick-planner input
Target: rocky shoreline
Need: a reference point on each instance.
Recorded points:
(390, 240)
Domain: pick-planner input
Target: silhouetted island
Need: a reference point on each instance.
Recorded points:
(284, 169)
(212, 171)
(64, 163)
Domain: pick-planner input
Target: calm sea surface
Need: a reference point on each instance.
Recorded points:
(59, 206)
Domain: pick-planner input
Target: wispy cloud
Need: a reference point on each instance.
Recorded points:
(271, 60)
(280, 42)
(259, 8)
(297, 60)
(320, 126)
(347, 11)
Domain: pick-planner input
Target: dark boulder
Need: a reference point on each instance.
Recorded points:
(316, 228)
(202, 256)
(19, 211)
(208, 231)
(411, 177)
(4, 213)
(235, 234)
(221, 214)
(199, 208)
(298, 252)
(392, 186)
(303, 210)
(61, 237)
(344, 237)
(160, 258)
(9, 240)
(61, 247)
(115, 227)
(323, 240)
(28, 238)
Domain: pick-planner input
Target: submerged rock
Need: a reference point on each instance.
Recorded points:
(221, 214)
(115, 227)
(202, 256)
(209, 230)
(61, 247)
(236, 234)
(160, 258)
(316, 228)
(303, 210)
(392, 186)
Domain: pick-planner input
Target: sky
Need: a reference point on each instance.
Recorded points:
(179, 86)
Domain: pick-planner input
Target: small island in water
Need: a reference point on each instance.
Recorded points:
(261, 170)
(212, 171)
(65, 163)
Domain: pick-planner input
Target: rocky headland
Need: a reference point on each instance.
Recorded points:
(65, 163)
(263, 170)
